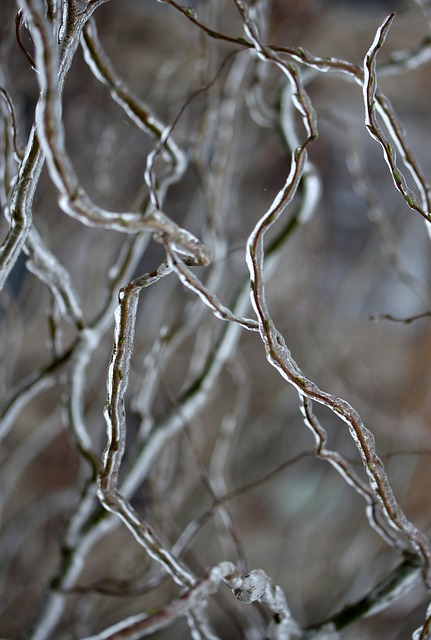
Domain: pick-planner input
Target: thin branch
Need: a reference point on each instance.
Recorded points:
(375, 317)
(374, 129)
(18, 24)
(18, 152)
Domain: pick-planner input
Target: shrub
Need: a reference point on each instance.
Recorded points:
(214, 271)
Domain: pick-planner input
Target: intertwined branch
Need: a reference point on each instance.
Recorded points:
(173, 364)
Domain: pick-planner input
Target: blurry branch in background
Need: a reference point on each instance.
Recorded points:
(388, 316)
(178, 392)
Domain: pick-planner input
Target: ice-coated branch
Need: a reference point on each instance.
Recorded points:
(19, 210)
(352, 72)
(139, 112)
(208, 298)
(191, 401)
(112, 499)
(299, 97)
(397, 62)
(346, 471)
(194, 400)
(72, 198)
(19, 213)
(118, 378)
(37, 381)
(280, 357)
(380, 221)
(255, 586)
(47, 267)
(421, 205)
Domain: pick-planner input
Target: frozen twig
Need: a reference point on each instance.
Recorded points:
(72, 197)
(346, 472)
(111, 498)
(139, 112)
(255, 586)
(421, 205)
(280, 357)
(381, 222)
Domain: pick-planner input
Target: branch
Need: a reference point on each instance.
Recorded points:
(255, 586)
(370, 92)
